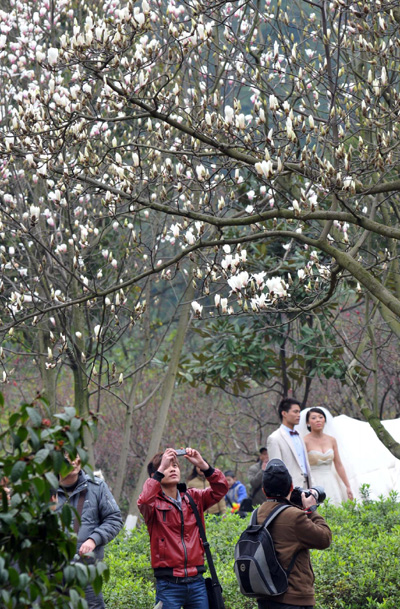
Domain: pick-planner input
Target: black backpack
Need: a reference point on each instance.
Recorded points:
(257, 568)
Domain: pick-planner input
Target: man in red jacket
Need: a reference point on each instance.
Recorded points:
(177, 554)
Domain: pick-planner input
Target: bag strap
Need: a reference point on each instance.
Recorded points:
(206, 545)
(79, 509)
(275, 512)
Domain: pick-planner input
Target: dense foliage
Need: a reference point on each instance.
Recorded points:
(37, 547)
(360, 569)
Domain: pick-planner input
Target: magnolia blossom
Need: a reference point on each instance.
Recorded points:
(229, 114)
(52, 56)
(265, 168)
(189, 236)
(260, 301)
(277, 287)
(224, 305)
(239, 281)
(296, 207)
(175, 230)
(259, 279)
(324, 271)
(301, 274)
(197, 308)
(34, 213)
(201, 172)
(217, 300)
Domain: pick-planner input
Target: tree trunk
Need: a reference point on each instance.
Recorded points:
(133, 395)
(167, 393)
(49, 376)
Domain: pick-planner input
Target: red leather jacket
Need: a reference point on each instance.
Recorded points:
(176, 547)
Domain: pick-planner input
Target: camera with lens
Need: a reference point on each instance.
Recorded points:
(319, 493)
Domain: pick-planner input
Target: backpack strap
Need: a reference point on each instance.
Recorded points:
(275, 512)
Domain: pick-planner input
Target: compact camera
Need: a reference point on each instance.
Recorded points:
(319, 491)
(180, 452)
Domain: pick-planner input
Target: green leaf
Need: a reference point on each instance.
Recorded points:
(70, 412)
(66, 515)
(97, 584)
(35, 440)
(13, 576)
(58, 460)
(82, 575)
(75, 424)
(52, 479)
(17, 470)
(13, 419)
(39, 485)
(34, 416)
(41, 455)
(69, 573)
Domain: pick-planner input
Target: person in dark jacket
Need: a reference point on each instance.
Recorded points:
(101, 518)
(177, 553)
(295, 531)
(255, 476)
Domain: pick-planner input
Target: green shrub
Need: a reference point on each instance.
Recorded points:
(360, 569)
(37, 545)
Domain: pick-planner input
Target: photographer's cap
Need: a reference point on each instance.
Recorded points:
(277, 481)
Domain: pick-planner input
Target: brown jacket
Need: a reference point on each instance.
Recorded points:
(294, 531)
(198, 482)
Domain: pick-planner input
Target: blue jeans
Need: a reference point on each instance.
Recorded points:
(192, 595)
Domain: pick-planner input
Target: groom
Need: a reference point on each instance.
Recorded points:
(286, 444)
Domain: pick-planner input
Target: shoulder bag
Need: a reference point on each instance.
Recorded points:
(214, 589)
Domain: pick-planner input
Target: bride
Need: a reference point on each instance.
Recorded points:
(324, 458)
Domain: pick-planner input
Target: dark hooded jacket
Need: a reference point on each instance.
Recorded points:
(101, 517)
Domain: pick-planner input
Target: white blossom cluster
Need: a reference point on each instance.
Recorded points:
(140, 139)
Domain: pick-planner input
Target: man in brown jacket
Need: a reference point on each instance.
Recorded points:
(295, 530)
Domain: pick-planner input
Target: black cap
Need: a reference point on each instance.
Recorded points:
(276, 479)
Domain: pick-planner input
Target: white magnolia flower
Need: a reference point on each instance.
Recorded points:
(273, 103)
(301, 274)
(52, 56)
(239, 281)
(229, 114)
(259, 279)
(189, 236)
(277, 287)
(224, 305)
(175, 230)
(197, 308)
(296, 206)
(201, 172)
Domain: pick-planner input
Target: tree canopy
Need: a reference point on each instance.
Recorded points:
(249, 147)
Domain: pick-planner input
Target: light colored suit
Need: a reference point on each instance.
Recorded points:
(280, 446)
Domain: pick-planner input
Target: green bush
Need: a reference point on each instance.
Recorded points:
(37, 545)
(360, 569)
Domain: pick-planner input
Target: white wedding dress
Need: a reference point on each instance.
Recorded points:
(365, 459)
(324, 474)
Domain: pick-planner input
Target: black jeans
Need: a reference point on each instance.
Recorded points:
(264, 604)
(94, 601)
